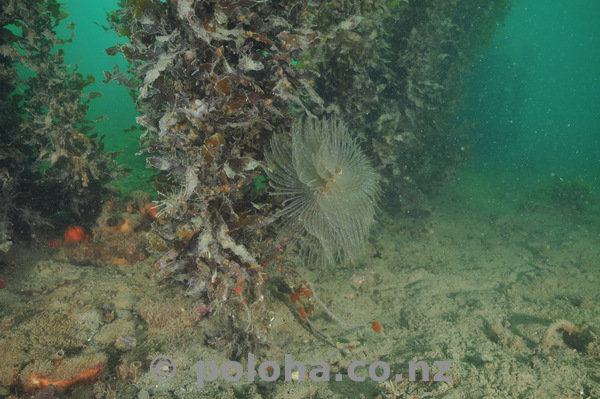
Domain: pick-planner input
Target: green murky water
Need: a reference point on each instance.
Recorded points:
(536, 91)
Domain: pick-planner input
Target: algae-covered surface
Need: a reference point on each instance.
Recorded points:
(319, 216)
(490, 276)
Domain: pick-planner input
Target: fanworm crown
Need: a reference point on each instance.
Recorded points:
(330, 186)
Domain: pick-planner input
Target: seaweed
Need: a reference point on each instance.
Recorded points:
(49, 159)
(215, 81)
(395, 79)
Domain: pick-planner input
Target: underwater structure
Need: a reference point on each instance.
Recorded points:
(220, 84)
(51, 164)
(275, 126)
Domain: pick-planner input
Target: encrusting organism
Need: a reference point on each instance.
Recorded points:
(330, 192)
(331, 189)
(214, 81)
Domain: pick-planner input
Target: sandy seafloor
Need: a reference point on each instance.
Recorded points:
(497, 280)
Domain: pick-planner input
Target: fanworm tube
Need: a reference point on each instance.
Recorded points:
(330, 186)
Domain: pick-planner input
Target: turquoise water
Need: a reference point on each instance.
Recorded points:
(536, 91)
(486, 278)
(92, 37)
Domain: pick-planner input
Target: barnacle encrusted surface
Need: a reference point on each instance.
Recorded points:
(330, 185)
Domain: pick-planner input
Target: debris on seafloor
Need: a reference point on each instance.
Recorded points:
(73, 371)
(119, 235)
